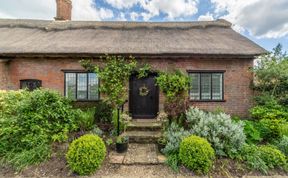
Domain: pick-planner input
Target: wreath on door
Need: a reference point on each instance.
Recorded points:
(143, 91)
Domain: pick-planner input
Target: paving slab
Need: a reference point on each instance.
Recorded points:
(116, 158)
(138, 154)
(141, 154)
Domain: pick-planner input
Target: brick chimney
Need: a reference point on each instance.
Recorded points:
(64, 10)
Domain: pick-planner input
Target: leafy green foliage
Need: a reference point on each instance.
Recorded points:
(272, 157)
(174, 136)
(252, 156)
(144, 71)
(33, 119)
(263, 158)
(273, 129)
(268, 108)
(86, 119)
(173, 84)
(271, 73)
(282, 145)
(196, 154)
(253, 135)
(173, 161)
(114, 75)
(225, 136)
(103, 113)
(20, 160)
(86, 154)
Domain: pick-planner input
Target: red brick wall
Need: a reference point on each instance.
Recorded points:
(4, 80)
(237, 77)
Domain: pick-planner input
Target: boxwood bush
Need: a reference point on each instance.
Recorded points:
(86, 154)
(196, 154)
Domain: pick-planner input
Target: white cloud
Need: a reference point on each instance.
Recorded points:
(87, 10)
(206, 17)
(134, 16)
(46, 9)
(120, 4)
(262, 18)
(172, 9)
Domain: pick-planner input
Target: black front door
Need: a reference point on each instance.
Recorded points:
(143, 97)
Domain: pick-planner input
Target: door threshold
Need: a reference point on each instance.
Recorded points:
(144, 120)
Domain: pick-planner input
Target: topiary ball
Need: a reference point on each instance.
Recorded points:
(86, 154)
(196, 154)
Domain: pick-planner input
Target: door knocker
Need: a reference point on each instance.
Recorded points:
(143, 91)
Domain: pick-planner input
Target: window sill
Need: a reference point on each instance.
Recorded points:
(211, 101)
(86, 100)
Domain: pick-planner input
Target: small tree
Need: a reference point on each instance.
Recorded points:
(271, 74)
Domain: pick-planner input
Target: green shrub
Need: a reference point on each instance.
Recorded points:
(30, 119)
(272, 129)
(20, 160)
(86, 120)
(225, 135)
(103, 113)
(252, 156)
(196, 154)
(282, 145)
(263, 158)
(269, 112)
(173, 84)
(173, 161)
(86, 154)
(174, 136)
(253, 135)
(273, 157)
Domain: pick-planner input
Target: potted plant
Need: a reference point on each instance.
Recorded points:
(161, 142)
(122, 144)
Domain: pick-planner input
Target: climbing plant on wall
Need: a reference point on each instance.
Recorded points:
(114, 74)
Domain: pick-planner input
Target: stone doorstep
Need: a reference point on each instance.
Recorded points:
(144, 126)
(142, 136)
(138, 154)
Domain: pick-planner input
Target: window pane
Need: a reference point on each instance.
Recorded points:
(195, 86)
(70, 90)
(93, 86)
(217, 86)
(82, 86)
(30, 84)
(205, 86)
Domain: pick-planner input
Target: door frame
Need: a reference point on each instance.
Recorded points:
(130, 100)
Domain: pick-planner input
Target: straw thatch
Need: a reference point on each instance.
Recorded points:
(147, 38)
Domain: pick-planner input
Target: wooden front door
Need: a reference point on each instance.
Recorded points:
(143, 97)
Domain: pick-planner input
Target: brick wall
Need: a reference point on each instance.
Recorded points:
(4, 80)
(237, 77)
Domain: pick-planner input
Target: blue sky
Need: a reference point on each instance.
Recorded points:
(263, 21)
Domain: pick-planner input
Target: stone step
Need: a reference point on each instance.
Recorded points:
(144, 126)
(142, 136)
(138, 154)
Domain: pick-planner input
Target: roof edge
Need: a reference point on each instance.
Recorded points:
(66, 25)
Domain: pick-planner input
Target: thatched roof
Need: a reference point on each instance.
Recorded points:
(148, 38)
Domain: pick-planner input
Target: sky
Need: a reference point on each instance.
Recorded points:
(262, 21)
